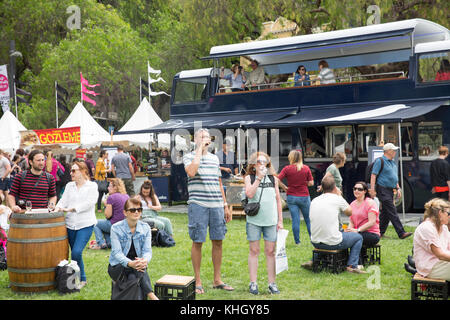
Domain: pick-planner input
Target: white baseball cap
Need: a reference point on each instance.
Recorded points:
(390, 146)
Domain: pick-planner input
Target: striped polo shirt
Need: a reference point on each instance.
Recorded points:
(38, 196)
(204, 187)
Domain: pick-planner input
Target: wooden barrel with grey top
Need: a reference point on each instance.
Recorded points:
(36, 244)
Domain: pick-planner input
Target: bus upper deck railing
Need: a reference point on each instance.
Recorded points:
(313, 81)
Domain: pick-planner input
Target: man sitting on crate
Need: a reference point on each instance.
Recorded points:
(325, 234)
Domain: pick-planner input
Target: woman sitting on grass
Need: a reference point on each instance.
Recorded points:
(150, 204)
(432, 241)
(131, 244)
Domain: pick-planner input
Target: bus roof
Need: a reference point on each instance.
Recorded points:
(433, 46)
(374, 38)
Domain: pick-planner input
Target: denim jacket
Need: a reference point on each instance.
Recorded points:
(121, 237)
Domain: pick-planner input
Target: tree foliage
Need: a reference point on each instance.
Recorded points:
(117, 37)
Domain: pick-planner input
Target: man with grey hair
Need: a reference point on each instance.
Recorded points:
(207, 207)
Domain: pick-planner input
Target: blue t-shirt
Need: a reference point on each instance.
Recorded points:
(299, 82)
(388, 178)
(227, 161)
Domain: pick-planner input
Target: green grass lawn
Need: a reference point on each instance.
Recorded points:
(387, 282)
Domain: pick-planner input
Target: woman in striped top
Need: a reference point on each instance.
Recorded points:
(326, 75)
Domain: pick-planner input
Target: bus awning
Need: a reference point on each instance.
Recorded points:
(359, 114)
(249, 119)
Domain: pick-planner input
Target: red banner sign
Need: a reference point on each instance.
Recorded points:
(51, 136)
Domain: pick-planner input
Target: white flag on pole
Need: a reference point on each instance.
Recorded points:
(151, 70)
(4, 88)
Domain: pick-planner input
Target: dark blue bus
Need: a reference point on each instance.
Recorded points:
(390, 84)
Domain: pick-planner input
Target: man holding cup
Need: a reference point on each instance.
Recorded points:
(207, 207)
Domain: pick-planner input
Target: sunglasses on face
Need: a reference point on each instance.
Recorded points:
(262, 161)
(359, 189)
(73, 170)
(134, 210)
(302, 69)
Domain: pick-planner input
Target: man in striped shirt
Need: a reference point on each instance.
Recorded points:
(207, 207)
(37, 186)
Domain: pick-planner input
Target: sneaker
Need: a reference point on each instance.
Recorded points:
(253, 288)
(273, 289)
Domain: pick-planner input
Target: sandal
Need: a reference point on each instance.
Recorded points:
(224, 286)
(199, 290)
(355, 270)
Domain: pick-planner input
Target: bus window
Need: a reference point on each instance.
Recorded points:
(407, 140)
(314, 142)
(368, 135)
(190, 90)
(430, 139)
(340, 139)
(434, 67)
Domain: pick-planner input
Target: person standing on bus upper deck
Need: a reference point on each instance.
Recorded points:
(440, 175)
(326, 75)
(386, 182)
(444, 71)
(237, 78)
(256, 76)
(301, 78)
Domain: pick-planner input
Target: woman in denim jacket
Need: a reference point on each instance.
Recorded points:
(131, 247)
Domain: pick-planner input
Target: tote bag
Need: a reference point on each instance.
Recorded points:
(281, 262)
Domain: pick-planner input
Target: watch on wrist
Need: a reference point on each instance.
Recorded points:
(359, 230)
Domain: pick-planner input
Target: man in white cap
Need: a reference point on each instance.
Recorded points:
(382, 183)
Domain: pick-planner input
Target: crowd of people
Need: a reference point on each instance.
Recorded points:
(126, 229)
(38, 177)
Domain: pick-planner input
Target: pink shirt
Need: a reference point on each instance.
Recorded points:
(297, 180)
(425, 235)
(360, 215)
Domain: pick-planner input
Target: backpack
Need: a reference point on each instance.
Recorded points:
(369, 170)
(66, 276)
(162, 239)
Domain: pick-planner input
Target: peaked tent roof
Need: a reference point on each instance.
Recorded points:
(92, 134)
(9, 132)
(143, 118)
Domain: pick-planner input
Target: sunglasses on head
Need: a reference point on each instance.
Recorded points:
(134, 210)
(359, 189)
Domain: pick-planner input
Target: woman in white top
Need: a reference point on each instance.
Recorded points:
(326, 75)
(150, 205)
(78, 200)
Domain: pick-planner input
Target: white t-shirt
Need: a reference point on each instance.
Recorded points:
(324, 215)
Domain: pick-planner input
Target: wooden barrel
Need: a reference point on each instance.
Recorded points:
(36, 244)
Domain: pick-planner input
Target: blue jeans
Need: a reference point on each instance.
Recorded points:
(102, 232)
(350, 240)
(297, 204)
(77, 241)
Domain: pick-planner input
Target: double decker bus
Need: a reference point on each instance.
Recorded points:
(391, 84)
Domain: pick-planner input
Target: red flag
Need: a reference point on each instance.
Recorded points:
(83, 89)
(87, 99)
(86, 83)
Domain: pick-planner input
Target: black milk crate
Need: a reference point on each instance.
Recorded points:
(428, 289)
(171, 287)
(370, 255)
(330, 260)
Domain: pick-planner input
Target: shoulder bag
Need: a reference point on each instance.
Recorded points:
(251, 209)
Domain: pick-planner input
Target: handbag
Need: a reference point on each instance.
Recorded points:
(126, 288)
(102, 185)
(251, 209)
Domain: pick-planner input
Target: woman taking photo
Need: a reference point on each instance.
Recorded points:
(150, 205)
(432, 241)
(365, 216)
(113, 213)
(131, 244)
(236, 78)
(78, 200)
(268, 220)
(299, 178)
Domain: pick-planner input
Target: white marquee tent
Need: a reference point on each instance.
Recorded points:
(91, 133)
(9, 132)
(143, 118)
